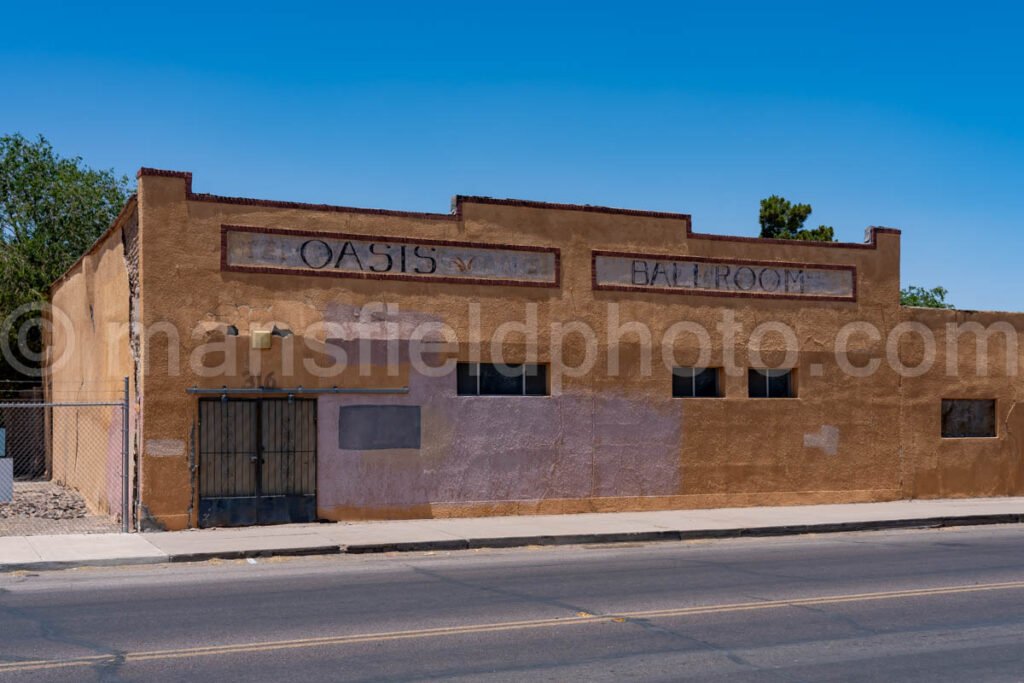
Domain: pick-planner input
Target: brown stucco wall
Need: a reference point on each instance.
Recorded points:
(606, 443)
(88, 357)
(946, 468)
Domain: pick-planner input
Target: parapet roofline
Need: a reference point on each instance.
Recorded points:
(459, 200)
(126, 210)
(455, 214)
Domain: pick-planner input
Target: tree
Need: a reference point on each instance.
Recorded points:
(52, 209)
(783, 220)
(924, 298)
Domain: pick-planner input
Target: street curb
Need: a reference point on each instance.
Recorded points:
(49, 565)
(332, 549)
(681, 535)
(44, 565)
(540, 540)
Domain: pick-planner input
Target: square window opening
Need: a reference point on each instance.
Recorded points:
(696, 382)
(968, 418)
(771, 383)
(496, 379)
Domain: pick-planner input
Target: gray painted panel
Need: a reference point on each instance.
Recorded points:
(378, 427)
(382, 258)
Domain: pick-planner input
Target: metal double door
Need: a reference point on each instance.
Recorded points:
(257, 461)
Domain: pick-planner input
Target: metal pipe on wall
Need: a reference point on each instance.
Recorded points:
(229, 391)
(125, 507)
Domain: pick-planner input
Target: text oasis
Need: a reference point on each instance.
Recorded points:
(262, 250)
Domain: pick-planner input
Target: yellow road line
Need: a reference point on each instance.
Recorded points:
(582, 619)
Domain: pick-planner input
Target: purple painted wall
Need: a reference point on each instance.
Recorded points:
(495, 448)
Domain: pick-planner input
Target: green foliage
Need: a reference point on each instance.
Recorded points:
(52, 209)
(924, 298)
(783, 220)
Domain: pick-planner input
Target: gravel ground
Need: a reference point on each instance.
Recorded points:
(42, 507)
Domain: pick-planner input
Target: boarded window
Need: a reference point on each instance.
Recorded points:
(376, 427)
(771, 383)
(964, 419)
(695, 383)
(490, 379)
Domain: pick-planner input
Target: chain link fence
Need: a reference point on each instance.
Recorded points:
(62, 467)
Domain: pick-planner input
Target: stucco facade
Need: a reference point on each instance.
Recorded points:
(187, 281)
(88, 349)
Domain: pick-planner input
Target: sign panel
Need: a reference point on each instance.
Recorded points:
(723, 277)
(247, 249)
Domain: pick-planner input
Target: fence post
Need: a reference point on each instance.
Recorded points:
(125, 507)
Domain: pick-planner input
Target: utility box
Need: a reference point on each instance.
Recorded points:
(6, 480)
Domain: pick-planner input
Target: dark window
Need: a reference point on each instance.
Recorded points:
(468, 381)
(962, 419)
(501, 380)
(490, 379)
(695, 383)
(771, 383)
(536, 380)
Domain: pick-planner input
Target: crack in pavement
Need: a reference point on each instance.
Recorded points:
(499, 591)
(707, 645)
(49, 632)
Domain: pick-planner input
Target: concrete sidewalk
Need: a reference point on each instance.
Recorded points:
(48, 552)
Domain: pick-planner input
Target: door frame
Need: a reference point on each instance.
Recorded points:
(259, 508)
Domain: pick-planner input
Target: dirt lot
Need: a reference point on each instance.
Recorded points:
(42, 507)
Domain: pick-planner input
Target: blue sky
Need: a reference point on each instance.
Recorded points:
(900, 114)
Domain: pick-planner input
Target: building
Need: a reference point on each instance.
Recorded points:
(291, 362)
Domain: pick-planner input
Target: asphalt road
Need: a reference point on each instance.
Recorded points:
(922, 605)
